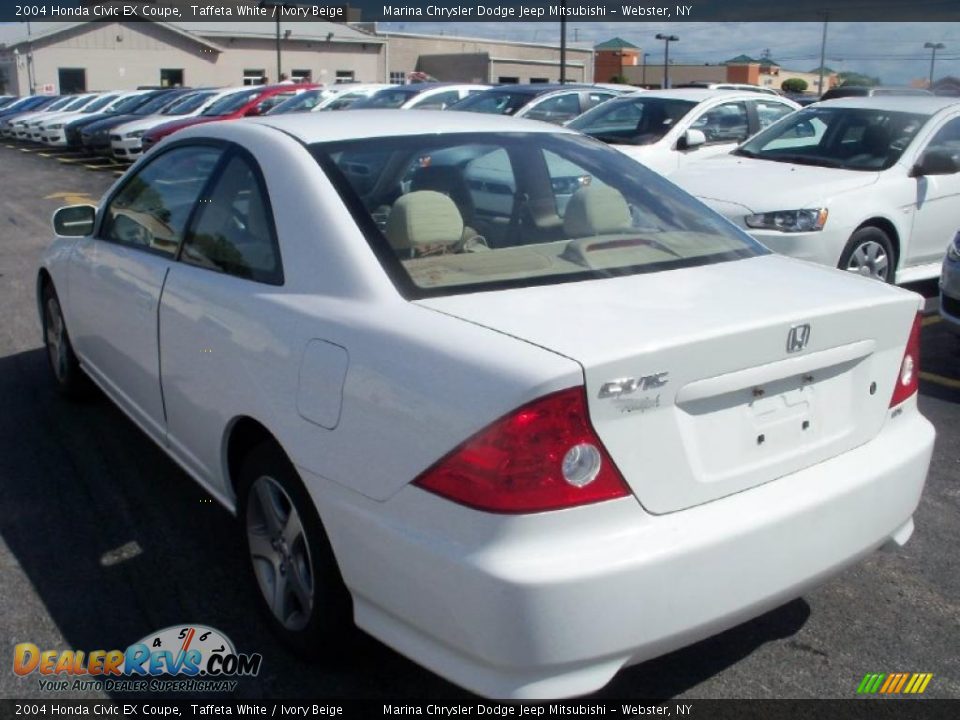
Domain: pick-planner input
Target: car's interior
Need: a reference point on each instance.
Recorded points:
(483, 212)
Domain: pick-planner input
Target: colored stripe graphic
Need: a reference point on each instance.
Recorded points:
(894, 683)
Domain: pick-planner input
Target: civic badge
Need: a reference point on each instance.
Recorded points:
(798, 337)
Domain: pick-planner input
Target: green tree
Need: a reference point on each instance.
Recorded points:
(619, 79)
(855, 78)
(794, 85)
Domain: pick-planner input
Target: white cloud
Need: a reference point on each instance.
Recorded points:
(892, 51)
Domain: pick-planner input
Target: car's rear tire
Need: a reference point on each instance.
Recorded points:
(293, 568)
(69, 377)
(869, 252)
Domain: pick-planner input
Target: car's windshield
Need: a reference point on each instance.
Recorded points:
(499, 102)
(128, 105)
(632, 120)
(458, 212)
(188, 104)
(60, 103)
(389, 98)
(304, 102)
(849, 138)
(231, 103)
(157, 103)
(77, 103)
(99, 103)
(343, 101)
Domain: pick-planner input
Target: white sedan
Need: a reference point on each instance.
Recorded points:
(668, 129)
(526, 446)
(867, 184)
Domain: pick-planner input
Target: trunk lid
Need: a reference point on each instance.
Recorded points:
(689, 380)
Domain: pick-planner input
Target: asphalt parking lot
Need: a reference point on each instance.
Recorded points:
(104, 540)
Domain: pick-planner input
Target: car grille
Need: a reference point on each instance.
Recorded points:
(949, 305)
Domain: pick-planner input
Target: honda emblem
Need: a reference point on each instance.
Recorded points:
(798, 337)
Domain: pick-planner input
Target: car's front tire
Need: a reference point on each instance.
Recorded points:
(64, 364)
(869, 252)
(299, 585)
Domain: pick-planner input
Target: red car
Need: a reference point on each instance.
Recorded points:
(249, 102)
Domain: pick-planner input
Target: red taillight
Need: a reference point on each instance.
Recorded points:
(908, 378)
(542, 456)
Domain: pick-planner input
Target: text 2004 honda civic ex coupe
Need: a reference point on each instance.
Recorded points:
(525, 409)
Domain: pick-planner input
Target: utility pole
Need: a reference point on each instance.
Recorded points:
(933, 47)
(30, 82)
(563, 44)
(823, 50)
(667, 39)
(277, 12)
(643, 80)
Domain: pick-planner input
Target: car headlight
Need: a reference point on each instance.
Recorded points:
(953, 252)
(135, 134)
(58, 126)
(807, 220)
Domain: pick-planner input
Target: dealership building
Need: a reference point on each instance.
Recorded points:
(89, 55)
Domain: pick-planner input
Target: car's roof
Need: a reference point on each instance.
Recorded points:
(316, 127)
(696, 94)
(920, 104)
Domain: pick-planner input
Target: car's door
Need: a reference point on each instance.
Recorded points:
(116, 277)
(724, 125)
(214, 338)
(937, 215)
(766, 111)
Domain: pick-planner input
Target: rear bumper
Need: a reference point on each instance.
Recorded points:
(554, 604)
(950, 294)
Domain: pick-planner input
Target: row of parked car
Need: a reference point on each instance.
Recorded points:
(869, 184)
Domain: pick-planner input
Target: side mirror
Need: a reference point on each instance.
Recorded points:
(691, 139)
(936, 162)
(74, 221)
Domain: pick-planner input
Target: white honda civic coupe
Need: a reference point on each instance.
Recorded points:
(527, 442)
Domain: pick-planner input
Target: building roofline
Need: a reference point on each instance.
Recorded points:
(580, 47)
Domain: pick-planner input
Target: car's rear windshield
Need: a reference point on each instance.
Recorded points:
(500, 102)
(463, 212)
(632, 120)
(233, 102)
(864, 139)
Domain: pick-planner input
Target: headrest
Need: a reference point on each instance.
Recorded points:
(596, 210)
(423, 218)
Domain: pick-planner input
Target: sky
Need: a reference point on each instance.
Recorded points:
(892, 51)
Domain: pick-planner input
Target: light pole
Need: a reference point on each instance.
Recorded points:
(643, 80)
(277, 12)
(667, 39)
(933, 56)
(563, 44)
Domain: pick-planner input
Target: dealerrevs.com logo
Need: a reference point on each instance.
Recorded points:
(180, 658)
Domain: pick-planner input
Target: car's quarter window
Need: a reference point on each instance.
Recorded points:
(464, 212)
(151, 209)
(233, 230)
(726, 123)
(769, 111)
(632, 120)
(864, 139)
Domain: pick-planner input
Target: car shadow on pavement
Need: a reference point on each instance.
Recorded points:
(118, 542)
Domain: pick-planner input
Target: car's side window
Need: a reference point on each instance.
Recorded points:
(769, 111)
(726, 123)
(947, 138)
(233, 231)
(595, 98)
(556, 109)
(151, 210)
